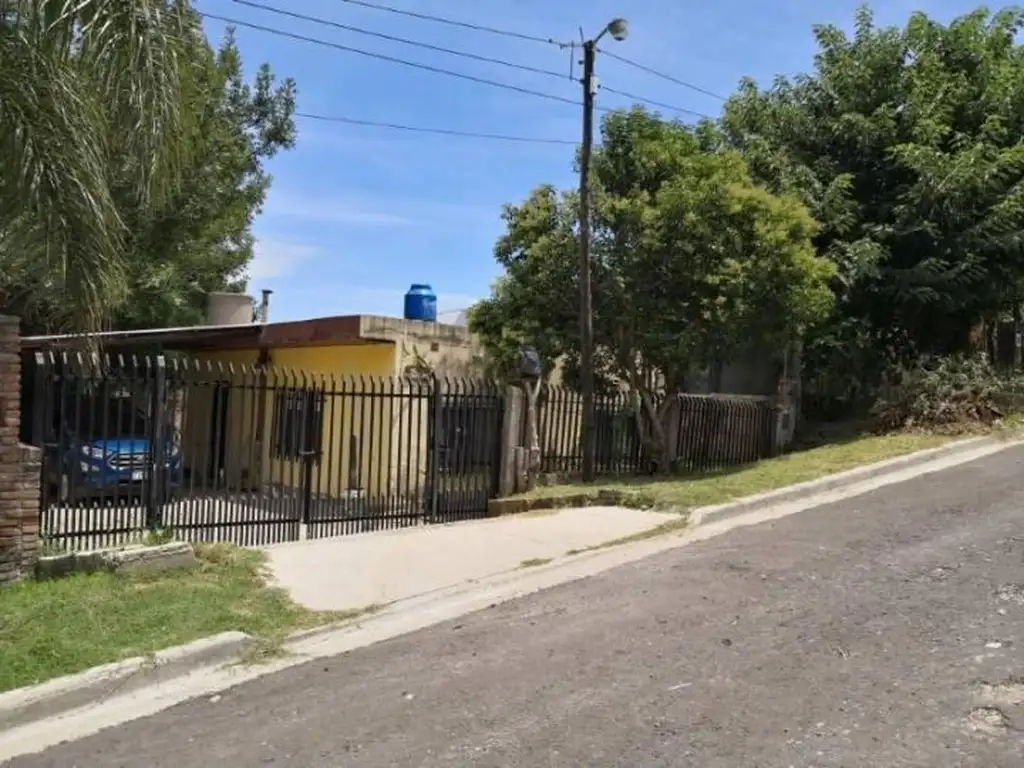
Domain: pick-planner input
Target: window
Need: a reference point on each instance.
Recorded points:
(298, 424)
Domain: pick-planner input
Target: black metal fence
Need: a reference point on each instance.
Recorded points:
(705, 432)
(253, 456)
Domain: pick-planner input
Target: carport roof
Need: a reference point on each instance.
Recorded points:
(323, 330)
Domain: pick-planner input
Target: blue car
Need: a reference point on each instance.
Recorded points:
(103, 449)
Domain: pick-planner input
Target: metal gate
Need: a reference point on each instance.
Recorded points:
(465, 452)
(408, 451)
(208, 452)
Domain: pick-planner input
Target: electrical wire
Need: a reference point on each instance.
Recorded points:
(651, 102)
(404, 40)
(662, 75)
(392, 59)
(456, 23)
(439, 70)
(535, 39)
(437, 131)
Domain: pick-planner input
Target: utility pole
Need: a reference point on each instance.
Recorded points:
(586, 296)
(618, 29)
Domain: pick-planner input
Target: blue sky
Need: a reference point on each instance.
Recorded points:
(356, 214)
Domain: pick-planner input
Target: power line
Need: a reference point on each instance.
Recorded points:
(478, 28)
(438, 131)
(663, 105)
(404, 40)
(392, 59)
(662, 75)
(456, 23)
(440, 70)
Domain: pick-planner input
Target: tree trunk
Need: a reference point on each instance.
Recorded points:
(1016, 330)
(651, 421)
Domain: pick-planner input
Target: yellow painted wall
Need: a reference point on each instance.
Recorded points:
(357, 416)
(376, 417)
(198, 425)
(375, 424)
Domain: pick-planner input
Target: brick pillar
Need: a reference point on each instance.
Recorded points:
(19, 467)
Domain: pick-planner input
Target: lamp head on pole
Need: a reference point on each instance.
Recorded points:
(619, 29)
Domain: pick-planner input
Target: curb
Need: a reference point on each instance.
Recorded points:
(54, 697)
(704, 515)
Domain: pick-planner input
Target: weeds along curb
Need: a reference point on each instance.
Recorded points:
(609, 497)
(838, 480)
(54, 697)
(638, 499)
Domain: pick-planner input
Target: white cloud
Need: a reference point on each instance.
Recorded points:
(276, 258)
(334, 210)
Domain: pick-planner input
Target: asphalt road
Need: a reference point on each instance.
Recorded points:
(884, 631)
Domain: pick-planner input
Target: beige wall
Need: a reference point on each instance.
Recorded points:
(421, 350)
(447, 350)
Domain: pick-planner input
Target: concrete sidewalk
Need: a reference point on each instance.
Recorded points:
(353, 572)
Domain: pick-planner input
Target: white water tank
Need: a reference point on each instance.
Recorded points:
(225, 308)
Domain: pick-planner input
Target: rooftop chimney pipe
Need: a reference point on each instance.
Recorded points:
(265, 306)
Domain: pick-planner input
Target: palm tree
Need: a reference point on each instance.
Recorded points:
(93, 122)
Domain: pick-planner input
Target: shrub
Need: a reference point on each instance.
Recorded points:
(942, 392)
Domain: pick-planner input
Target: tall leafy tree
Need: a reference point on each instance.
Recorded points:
(693, 264)
(200, 239)
(133, 162)
(93, 110)
(906, 144)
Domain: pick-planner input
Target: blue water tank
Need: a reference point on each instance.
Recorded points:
(421, 303)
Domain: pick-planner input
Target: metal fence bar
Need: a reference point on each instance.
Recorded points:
(256, 455)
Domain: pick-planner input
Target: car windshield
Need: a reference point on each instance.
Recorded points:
(98, 418)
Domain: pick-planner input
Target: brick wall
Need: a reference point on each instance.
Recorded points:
(19, 467)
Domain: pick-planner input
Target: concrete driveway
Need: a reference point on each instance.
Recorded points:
(354, 572)
(885, 631)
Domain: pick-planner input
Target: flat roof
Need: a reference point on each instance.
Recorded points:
(322, 330)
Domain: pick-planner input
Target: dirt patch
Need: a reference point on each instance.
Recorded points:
(943, 572)
(1008, 693)
(1011, 593)
(989, 721)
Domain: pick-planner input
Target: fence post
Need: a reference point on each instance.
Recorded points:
(511, 439)
(154, 506)
(40, 399)
(436, 429)
(42, 407)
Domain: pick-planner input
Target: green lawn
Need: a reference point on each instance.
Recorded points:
(52, 628)
(720, 487)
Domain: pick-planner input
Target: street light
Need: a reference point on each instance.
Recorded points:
(619, 30)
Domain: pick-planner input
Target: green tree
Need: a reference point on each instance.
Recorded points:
(905, 143)
(200, 239)
(133, 162)
(93, 110)
(693, 264)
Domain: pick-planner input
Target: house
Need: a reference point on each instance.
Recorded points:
(327, 415)
(323, 411)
